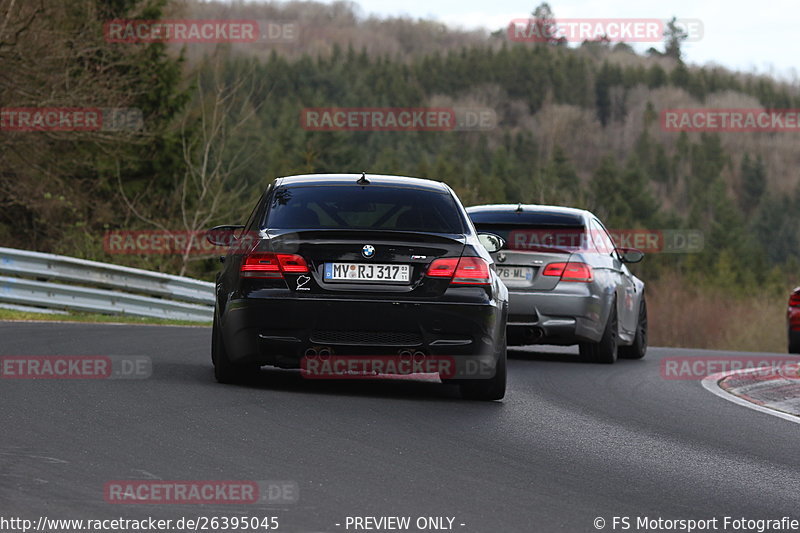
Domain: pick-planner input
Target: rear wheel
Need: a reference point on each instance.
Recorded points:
(794, 341)
(604, 351)
(638, 349)
(224, 370)
(490, 389)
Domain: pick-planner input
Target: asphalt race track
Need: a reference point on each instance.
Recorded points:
(571, 442)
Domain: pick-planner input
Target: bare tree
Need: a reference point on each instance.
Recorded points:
(209, 185)
(213, 157)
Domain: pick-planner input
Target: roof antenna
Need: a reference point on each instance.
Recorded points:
(363, 179)
(519, 208)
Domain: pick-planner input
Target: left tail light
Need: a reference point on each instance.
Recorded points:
(272, 265)
(462, 271)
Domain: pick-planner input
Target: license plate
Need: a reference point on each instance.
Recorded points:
(366, 272)
(512, 273)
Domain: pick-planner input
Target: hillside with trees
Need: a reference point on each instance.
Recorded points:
(576, 125)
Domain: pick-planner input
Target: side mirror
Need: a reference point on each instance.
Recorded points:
(491, 242)
(223, 235)
(630, 255)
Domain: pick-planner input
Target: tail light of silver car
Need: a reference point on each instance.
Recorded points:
(570, 271)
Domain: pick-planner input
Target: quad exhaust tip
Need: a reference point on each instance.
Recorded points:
(416, 355)
(322, 352)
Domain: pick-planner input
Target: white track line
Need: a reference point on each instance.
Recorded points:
(711, 384)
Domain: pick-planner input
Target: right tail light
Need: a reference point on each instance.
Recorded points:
(580, 272)
(461, 271)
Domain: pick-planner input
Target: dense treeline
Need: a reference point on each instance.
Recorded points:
(60, 189)
(575, 126)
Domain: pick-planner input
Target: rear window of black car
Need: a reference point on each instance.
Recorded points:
(373, 207)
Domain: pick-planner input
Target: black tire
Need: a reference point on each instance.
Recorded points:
(794, 341)
(638, 349)
(605, 351)
(224, 370)
(490, 389)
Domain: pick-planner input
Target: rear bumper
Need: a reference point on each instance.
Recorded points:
(569, 314)
(279, 331)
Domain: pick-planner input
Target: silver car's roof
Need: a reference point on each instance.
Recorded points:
(529, 208)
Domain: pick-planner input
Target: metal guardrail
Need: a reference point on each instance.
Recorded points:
(109, 289)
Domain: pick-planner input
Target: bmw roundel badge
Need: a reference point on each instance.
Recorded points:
(368, 251)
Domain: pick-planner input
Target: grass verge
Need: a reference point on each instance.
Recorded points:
(683, 316)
